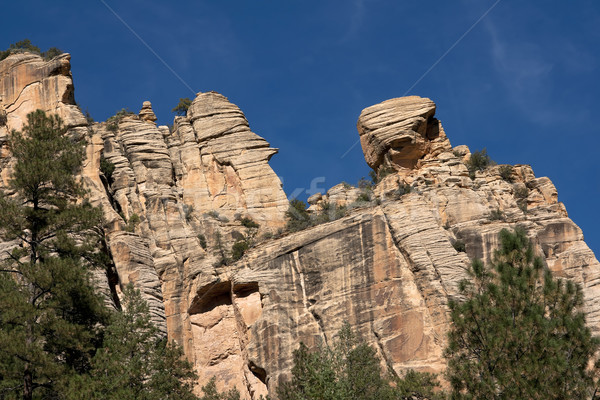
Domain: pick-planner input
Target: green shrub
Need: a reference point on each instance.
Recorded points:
(349, 369)
(459, 246)
(88, 117)
(249, 223)
(133, 222)
(297, 216)
(51, 53)
(506, 172)
(478, 161)
(107, 168)
(458, 154)
(182, 107)
(238, 249)
(202, 240)
(363, 197)
(496, 215)
(25, 46)
(267, 236)
(3, 118)
(112, 124)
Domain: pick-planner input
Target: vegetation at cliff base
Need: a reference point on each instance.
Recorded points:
(135, 361)
(519, 333)
(49, 313)
(57, 338)
(350, 370)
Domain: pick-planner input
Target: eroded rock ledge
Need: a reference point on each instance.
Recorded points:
(388, 267)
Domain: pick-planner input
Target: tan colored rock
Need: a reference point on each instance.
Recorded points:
(399, 132)
(28, 83)
(388, 267)
(146, 113)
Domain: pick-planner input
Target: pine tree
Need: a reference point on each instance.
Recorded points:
(135, 362)
(49, 312)
(519, 333)
(182, 107)
(350, 370)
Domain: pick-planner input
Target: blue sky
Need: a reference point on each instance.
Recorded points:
(522, 82)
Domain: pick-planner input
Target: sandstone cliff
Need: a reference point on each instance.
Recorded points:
(388, 267)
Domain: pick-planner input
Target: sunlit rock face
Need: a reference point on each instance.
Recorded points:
(174, 206)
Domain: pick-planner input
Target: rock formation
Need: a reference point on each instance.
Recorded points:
(177, 201)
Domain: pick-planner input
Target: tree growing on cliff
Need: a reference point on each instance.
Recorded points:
(49, 312)
(182, 107)
(135, 361)
(519, 333)
(350, 370)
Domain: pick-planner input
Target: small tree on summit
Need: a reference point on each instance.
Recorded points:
(519, 333)
(183, 106)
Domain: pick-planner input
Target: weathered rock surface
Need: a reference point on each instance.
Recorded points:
(399, 132)
(146, 113)
(388, 267)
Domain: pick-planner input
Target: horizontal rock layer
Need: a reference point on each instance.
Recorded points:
(174, 206)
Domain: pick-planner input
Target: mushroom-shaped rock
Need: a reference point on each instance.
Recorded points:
(398, 132)
(146, 113)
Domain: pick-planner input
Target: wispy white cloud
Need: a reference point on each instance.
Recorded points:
(529, 72)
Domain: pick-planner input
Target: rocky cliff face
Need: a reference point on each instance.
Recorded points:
(388, 267)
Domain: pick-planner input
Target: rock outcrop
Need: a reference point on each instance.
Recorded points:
(178, 200)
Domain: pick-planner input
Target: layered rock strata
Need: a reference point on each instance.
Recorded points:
(178, 199)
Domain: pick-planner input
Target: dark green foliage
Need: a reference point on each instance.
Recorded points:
(51, 53)
(112, 124)
(238, 249)
(417, 386)
(182, 107)
(220, 248)
(506, 173)
(519, 333)
(3, 118)
(49, 312)
(329, 213)
(459, 246)
(211, 393)
(26, 46)
(135, 361)
(202, 240)
(363, 197)
(88, 117)
(297, 216)
(107, 168)
(496, 215)
(132, 223)
(349, 370)
(249, 223)
(478, 161)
